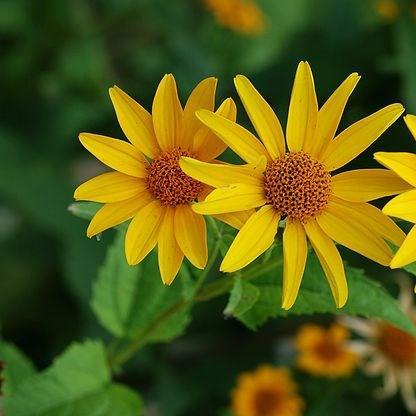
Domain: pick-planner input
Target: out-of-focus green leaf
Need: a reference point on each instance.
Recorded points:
(17, 367)
(84, 210)
(243, 296)
(366, 298)
(77, 383)
(128, 300)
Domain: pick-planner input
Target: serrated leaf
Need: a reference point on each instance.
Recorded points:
(17, 367)
(128, 299)
(77, 383)
(366, 298)
(242, 297)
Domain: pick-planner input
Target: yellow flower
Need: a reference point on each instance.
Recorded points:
(156, 194)
(387, 9)
(389, 352)
(325, 352)
(403, 206)
(268, 391)
(242, 16)
(298, 186)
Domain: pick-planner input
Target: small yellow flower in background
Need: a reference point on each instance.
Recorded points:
(325, 352)
(156, 194)
(267, 391)
(242, 16)
(297, 184)
(389, 352)
(387, 9)
(404, 205)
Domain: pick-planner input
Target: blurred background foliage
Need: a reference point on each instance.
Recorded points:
(57, 61)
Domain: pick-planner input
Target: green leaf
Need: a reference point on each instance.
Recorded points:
(17, 367)
(243, 296)
(77, 383)
(366, 298)
(411, 268)
(84, 210)
(131, 300)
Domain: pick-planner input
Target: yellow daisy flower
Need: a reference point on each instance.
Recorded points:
(325, 352)
(297, 184)
(241, 16)
(268, 391)
(403, 206)
(147, 183)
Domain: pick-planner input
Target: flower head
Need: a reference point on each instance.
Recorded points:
(241, 16)
(147, 183)
(296, 183)
(388, 351)
(403, 206)
(268, 391)
(325, 352)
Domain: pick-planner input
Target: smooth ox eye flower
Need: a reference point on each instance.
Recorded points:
(268, 391)
(403, 206)
(147, 183)
(297, 184)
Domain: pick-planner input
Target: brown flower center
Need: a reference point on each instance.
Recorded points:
(267, 402)
(168, 183)
(297, 186)
(397, 345)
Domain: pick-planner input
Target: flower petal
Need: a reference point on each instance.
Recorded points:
(110, 215)
(135, 121)
(403, 206)
(235, 219)
(330, 260)
(364, 185)
(206, 144)
(110, 187)
(330, 114)
(235, 136)
(353, 231)
(170, 255)
(233, 198)
(142, 234)
(410, 121)
(356, 138)
(256, 236)
(303, 110)
(191, 235)
(117, 154)
(167, 114)
(407, 252)
(403, 164)
(218, 175)
(203, 96)
(262, 116)
(295, 251)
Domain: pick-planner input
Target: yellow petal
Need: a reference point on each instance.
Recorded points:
(403, 164)
(167, 114)
(354, 232)
(410, 121)
(110, 215)
(110, 187)
(330, 114)
(303, 110)
(142, 234)
(295, 251)
(218, 175)
(407, 252)
(207, 145)
(330, 260)
(203, 96)
(191, 235)
(235, 219)
(135, 121)
(235, 136)
(116, 154)
(403, 206)
(262, 116)
(356, 138)
(233, 198)
(170, 255)
(256, 236)
(367, 184)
